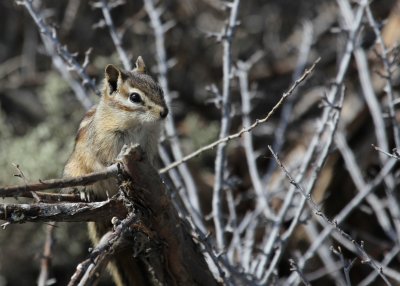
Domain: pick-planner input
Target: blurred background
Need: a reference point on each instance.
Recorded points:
(39, 112)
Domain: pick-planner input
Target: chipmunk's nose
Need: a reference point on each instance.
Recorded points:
(164, 113)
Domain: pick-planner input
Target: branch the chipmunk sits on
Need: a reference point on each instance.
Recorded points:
(131, 111)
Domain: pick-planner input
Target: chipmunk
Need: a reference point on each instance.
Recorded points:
(131, 110)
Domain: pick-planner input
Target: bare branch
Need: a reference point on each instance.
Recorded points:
(304, 51)
(388, 69)
(376, 113)
(220, 159)
(66, 212)
(46, 258)
(358, 180)
(346, 264)
(162, 63)
(226, 139)
(345, 212)
(24, 190)
(393, 253)
(242, 74)
(394, 155)
(294, 267)
(115, 36)
(333, 223)
(324, 136)
(61, 50)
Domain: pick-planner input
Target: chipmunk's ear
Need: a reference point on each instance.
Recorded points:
(112, 74)
(140, 65)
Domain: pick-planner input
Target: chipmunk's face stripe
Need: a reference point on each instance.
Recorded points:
(118, 105)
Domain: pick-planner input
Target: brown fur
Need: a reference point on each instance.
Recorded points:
(104, 130)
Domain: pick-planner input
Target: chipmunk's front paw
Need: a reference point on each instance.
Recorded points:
(87, 195)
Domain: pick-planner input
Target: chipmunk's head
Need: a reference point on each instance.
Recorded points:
(134, 95)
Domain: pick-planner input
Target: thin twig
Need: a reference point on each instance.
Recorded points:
(395, 155)
(284, 120)
(294, 267)
(346, 264)
(393, 253)
(376, 114)
(14, 191)
(324, 253)
(343, 214)
(356, 175)
(162, 63)
(389, 272)
(243, 74)
(220, 159)
(362, 254)
(324, 136)
(226, 139)
(115, 36)
(46, 258)
(388, 77)
(61, 50)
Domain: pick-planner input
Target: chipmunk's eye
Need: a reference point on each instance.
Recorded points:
(135, 97)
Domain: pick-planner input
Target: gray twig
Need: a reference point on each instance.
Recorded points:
(362, 254)
(344, 213)
(376, 113)
(393, 253)
(115, 36)
(242, 73)
(14, 191)
(220, 159)
(159, 33)
(328, 129)
(295, 268)
(346, 264)
(284, 119)
(388, 77)
(61, 50)
(256, 123)
(358, 180)
(46, 258)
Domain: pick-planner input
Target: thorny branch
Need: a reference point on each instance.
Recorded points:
(388, 76)
(242, 73)
(327, 129)
(376, 113)
(317, 211)
(61, 50)
(160, 29)
(220, 159)
(304, 51)
(115, 36)
(256, 123)
(344, 213)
